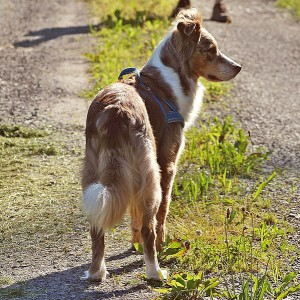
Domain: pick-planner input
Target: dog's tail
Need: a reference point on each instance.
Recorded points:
(97, 203)
(104, 205)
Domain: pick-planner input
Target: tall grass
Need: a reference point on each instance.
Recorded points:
(128, 32)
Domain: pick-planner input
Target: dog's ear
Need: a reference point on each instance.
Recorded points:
(188, 29)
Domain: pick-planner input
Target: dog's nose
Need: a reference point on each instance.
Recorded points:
(238, 68)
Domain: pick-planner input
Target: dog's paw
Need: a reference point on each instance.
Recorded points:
(163, 274)
(98, 276)
(159, 274)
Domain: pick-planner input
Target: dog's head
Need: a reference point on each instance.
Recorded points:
(199, 50)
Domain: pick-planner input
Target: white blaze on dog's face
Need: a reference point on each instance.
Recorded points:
(209, 62)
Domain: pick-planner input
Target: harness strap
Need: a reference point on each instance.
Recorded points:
(171, 116)
(129, 71)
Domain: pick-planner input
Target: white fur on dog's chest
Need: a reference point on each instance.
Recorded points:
(188, 105)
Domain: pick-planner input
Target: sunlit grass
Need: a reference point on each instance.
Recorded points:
(39, 183)
(127, 37)
(292, 5)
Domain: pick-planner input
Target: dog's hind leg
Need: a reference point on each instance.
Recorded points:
(146, 206)
(97, 270)
(136, 226)
(105, 204)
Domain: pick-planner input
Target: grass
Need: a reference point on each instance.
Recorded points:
(127, 37)
(15, 292)
(232, 232)
(223, 231)
(216, 172)
(292, 5)
(39, 184)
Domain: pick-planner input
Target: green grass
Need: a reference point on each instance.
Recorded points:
(16, 131)
(292, 5)
(217, 171)
(38, 184)
(231, 229)
(4, 280)
(15, 292)
(127, 36)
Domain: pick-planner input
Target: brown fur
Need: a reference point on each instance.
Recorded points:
(129, 150)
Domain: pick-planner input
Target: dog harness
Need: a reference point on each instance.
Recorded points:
(170, 116)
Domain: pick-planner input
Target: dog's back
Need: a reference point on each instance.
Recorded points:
(120, 154)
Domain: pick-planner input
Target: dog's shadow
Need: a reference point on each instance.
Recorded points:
(67, 284)
(37, 37)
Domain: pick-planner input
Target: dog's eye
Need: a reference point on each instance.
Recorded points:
(212, 49)
(206, 45)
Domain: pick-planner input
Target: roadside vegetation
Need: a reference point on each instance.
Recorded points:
(226, 240)
(292, 5)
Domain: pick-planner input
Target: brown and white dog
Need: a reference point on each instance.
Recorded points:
(131, 152)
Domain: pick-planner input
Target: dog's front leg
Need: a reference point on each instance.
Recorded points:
(167, 178)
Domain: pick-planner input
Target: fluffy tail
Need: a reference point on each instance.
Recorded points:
(97, 203)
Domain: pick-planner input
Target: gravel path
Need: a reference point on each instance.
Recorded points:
(42, 71)
(41, 64)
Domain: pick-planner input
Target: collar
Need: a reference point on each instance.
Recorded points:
(171, 113)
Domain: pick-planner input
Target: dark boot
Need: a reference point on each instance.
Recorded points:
(182, 4)
(220, 13)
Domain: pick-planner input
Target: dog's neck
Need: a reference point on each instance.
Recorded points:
(167, 71)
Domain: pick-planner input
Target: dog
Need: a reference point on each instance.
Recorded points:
(135, 134)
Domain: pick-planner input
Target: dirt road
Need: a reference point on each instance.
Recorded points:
(42, 70)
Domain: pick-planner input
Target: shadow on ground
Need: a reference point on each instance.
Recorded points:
(46, 34)
(67, 284)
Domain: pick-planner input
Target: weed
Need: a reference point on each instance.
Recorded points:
(186, 286)
(172, 248)
(4, 280)
(259, 288)
(17, 131)
(127, 37)
(215, 155)
(14, 292)
(190, 286)
(263, 184)
(270, 219)
(214, 91)
(139, 249)
(292, 5)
